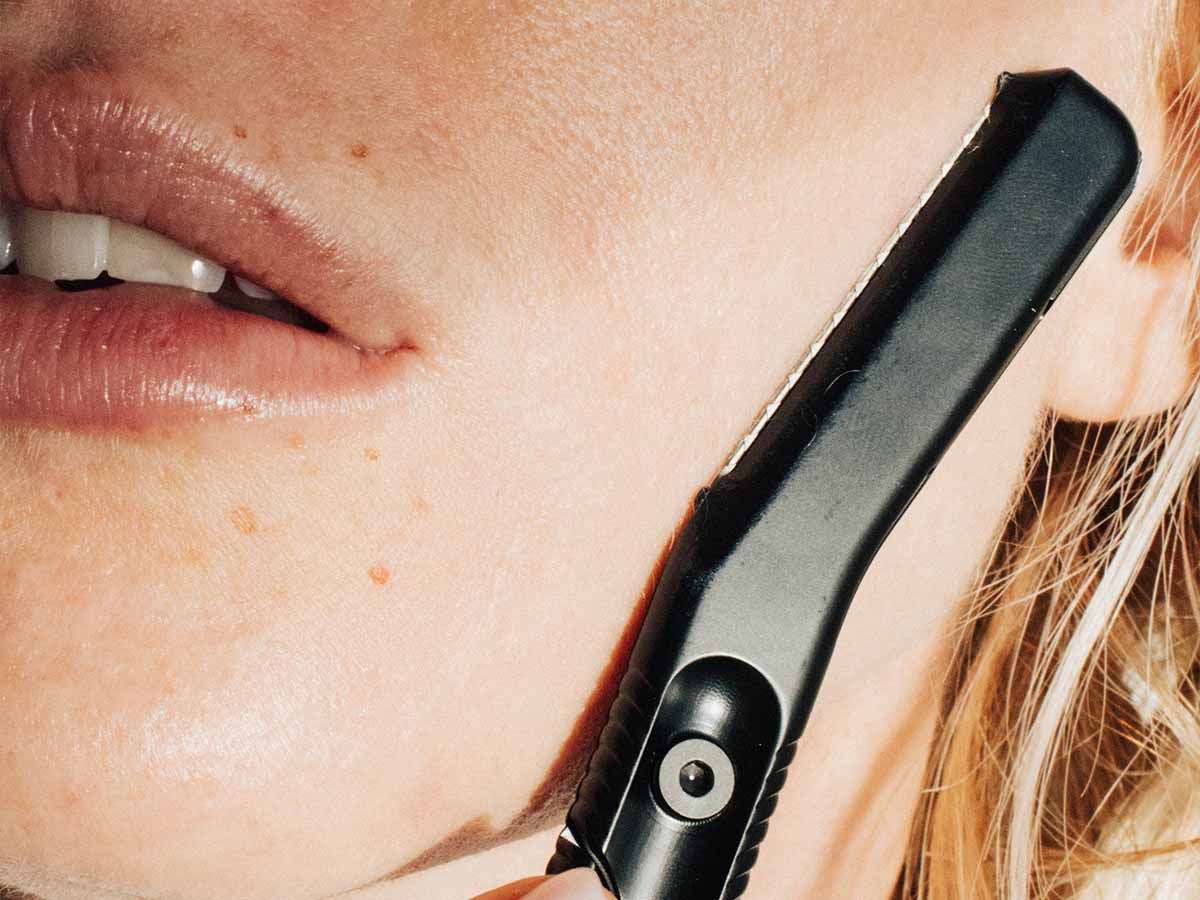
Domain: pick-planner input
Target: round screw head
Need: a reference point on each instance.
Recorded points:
(696, 779)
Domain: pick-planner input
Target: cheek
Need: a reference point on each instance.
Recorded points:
(362, 614)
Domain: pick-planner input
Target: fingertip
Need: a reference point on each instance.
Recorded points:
(577, 884)
(518, 890)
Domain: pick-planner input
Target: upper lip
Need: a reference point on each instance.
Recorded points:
(72, 142)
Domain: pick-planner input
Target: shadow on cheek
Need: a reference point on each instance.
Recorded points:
(554, 794)
(8, 893)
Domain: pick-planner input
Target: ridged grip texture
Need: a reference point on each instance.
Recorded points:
(609, 771)
(739, 879)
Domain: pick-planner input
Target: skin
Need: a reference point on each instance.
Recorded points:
(292, 659)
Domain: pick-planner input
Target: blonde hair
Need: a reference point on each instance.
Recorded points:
(1067, 761)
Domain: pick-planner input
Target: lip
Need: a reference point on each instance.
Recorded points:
(136, 355)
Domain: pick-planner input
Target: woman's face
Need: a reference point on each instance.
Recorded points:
(282, 651)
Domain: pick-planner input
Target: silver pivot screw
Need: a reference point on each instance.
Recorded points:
(696, 779)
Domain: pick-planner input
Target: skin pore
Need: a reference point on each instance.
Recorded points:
(317, 656)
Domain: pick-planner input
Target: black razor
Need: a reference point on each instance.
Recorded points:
(743, 621)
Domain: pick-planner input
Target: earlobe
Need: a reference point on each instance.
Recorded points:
(1122, 337)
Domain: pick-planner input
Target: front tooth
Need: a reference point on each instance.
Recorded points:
(137, 254)
(61, 245)
(8, 226)
(250, 289)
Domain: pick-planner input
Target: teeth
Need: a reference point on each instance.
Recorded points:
(250, 289)
(78, 247)
(8, 226)
(136, 254)
(58, 245)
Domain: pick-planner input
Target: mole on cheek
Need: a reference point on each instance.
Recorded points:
(296, 442)
(239, 131)
(244, 519)
(372, 454)
(359, 151)
(172, 478)
(379, 574)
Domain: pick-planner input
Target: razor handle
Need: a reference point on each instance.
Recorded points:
(743, 621)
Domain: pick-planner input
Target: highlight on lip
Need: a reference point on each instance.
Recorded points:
(134, 356)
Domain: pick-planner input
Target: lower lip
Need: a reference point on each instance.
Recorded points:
(136, 357)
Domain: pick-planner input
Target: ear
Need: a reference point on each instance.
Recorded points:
(1122, 335)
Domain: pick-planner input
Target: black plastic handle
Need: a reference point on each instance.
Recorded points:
(743, 621)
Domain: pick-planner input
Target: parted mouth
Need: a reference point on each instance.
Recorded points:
(76, 142)
(148, 273)
(84, 252)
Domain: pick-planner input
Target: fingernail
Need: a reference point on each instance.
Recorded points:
(577, 884)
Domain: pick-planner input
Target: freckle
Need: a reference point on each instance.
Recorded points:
(420, 504)
(170, 37)
(59, 669)
(359, 151)
(296, 442)
(71, 797)
(311, 469)
(244, 519)
(6, 524)
(171, 478)
(195, 556)
(73, 600)
(371, 453)
(379, 574)
(239, 131)
(274, 154)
